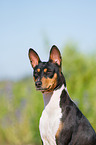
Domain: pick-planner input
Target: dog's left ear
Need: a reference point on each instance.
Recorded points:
(55, 55)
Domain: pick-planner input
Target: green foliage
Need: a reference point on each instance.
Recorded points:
(20, 109)
(80, 72)
(21, 105)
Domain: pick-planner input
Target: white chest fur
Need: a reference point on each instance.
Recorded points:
(50, 119)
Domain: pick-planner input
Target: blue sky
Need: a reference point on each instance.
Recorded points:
(26, 23)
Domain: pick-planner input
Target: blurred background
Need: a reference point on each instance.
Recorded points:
(24, 24)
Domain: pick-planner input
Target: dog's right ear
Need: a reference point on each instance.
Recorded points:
(34, 58)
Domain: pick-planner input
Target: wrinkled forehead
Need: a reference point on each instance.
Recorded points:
(45, 65)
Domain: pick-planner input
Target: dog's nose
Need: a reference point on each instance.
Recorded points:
(38, 84)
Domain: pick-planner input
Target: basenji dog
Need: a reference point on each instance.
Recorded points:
(61, 122)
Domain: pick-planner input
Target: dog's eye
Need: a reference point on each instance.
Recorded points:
(49, 72)
(35, 74)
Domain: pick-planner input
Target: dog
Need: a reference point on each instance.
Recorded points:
(61, 122)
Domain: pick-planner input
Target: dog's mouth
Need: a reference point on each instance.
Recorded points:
(44, 89)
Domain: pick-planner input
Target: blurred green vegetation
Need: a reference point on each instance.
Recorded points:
(21, 105)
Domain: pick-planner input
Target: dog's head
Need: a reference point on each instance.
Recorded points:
(47, 75)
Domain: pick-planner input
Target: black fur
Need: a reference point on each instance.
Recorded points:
(77, 129)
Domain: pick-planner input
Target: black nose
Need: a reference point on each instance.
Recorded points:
(38, 84)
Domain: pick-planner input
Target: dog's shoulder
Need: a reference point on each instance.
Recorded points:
(76, 128)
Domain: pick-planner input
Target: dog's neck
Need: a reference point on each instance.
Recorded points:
(47, 96)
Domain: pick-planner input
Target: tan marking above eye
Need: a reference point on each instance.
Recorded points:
(45, 70)
(38, 70)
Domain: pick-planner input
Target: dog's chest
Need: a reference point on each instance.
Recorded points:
(50, 119)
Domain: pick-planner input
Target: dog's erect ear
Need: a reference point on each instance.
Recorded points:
(34, 58)
(55, 55)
